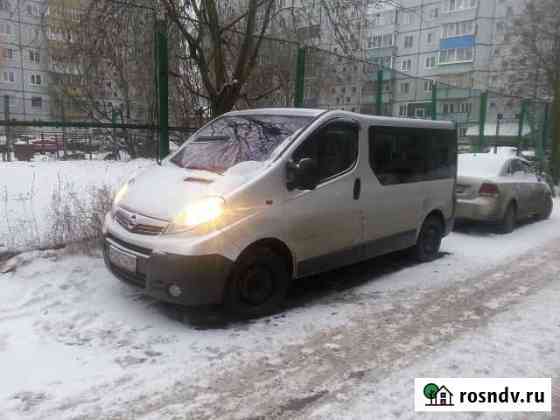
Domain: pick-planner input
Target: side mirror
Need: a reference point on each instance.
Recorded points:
(303, 175)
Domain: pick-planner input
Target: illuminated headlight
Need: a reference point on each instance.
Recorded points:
(204, 211)
(121, 193)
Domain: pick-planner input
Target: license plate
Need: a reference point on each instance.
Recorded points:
(122, 260)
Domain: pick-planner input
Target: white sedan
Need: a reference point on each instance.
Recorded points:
(500, 189)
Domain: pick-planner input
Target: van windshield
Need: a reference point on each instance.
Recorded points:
(231, 140)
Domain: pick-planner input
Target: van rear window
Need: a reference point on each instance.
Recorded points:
(400, 155)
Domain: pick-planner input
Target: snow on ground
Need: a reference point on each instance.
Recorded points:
(77, 343)
(26, 190)
(74, 341)
(523, 342)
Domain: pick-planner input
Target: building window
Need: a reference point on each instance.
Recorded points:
(456, 55)
(35, 57)
(36, 102)
(448, 108)
(381, 40)
(431, 61)
(32, 10)
(456, 29)
(405, 87)
(465, 108)
(409, 41)
(4, 5)
(35, 79)
(408, 17)
(403, 110)
(377, 20)
(8, 76)
(434, 13)
(457, 5)
(428, 85)
(5, 28)
(431, 37)
(406, 65)
(8, 53)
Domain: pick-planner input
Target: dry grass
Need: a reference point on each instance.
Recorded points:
(75, 217)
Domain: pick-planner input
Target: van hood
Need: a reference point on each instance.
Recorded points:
(163, 191)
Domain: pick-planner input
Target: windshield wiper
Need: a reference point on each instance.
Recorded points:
(204, 168)
(204, 139)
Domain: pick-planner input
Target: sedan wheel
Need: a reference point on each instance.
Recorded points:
(510, 218)
(547, 210)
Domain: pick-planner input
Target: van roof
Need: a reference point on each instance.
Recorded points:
(378, 120)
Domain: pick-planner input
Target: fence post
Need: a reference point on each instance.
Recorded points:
(379, 93)
(541, 144)
(522, 116)
(8, 131)
(434, 101)
(63, 133)
(300, 78)
(482, 121)
(162, 68)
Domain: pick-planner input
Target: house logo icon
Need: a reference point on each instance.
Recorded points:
(438, 396)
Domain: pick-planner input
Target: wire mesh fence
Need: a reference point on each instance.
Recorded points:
(484, 119)
(88, 86)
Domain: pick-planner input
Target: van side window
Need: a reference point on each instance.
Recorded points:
(404, 155)
(334, 147)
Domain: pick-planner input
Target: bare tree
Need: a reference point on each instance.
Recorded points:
(222, 43)
(535, 63)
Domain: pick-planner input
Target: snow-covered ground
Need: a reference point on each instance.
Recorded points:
(77, 343)
(26, 193)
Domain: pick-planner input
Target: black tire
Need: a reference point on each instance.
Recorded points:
(258, 284)
(507, 225)
(429, 240)
(547, 209)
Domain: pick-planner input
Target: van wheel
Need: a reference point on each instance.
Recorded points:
(429, 240)
(510, 217)
(547, 210)
(258, 284)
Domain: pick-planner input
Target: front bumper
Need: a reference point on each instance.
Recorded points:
(201, 278)
(482, 209)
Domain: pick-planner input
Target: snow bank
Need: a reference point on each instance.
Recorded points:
(26, 194)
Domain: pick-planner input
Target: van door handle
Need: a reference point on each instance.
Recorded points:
(357, 188)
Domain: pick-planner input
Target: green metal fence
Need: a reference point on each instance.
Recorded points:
(143, 120)
(485, 119)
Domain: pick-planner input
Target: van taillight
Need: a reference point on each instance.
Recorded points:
(489, 190)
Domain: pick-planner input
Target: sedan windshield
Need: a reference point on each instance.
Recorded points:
(231, 140)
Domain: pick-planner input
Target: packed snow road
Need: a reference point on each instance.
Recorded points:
(77, 343)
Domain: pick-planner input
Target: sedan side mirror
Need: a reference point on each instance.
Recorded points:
(303, 175)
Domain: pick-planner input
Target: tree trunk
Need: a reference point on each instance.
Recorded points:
(555, 156)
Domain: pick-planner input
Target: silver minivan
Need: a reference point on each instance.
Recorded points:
(258, 198)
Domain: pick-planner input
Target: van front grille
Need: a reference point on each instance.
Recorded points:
(130, 222)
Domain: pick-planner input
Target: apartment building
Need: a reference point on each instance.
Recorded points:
(37, 73)
(23, 60)
(455, 43)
